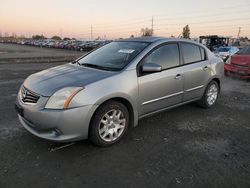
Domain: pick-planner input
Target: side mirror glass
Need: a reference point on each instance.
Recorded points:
(151, 67)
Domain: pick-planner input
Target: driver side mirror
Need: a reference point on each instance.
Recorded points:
(151, 67)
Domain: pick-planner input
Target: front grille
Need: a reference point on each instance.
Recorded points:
(28, 96)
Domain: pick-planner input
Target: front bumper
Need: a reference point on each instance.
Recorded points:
(237, 71)
(55, 125)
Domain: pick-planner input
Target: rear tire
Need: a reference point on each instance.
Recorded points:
(210, 95)
(109, 124)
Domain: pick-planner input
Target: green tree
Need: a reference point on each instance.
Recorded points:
(66, 38)
(146, 32)
(37, 37)
(186, 32)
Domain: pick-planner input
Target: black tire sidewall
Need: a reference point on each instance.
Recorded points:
(101, 111)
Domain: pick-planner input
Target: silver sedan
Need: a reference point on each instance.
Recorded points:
(101, 94)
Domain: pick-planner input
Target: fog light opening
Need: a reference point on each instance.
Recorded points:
(57, 132)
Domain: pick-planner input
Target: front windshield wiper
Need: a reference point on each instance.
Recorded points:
(97, 66)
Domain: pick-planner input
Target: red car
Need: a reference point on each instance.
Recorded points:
(239, 64)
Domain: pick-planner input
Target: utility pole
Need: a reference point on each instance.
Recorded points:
(238, 36)
(91, 32)
(152, 25)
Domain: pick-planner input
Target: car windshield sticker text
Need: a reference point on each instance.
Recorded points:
(126, 51)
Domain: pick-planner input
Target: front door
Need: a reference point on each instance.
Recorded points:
(161, 89)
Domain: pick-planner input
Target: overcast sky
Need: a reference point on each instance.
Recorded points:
(116, 18)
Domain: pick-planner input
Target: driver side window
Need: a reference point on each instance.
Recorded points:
(166, 56)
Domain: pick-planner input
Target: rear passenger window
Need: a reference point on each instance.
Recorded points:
(167, 56)
(191, 53)
(203, 54)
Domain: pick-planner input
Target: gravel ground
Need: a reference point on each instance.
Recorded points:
(183, 147)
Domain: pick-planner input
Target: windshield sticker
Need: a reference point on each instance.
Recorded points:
(126, 51)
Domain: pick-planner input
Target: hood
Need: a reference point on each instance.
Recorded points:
(47, 82)
(239, 59)
(223, 53)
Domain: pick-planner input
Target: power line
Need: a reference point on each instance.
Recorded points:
(121, 23)
(178, 25)
(205, 22)
(161, 17)
(206, 26)
(129, 25)
(146, 19)
(200, 16)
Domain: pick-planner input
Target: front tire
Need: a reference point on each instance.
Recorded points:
(109, 124)
(210, 95)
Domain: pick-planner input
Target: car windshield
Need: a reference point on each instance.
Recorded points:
(223, 49)
(113, 56)
(245, 50)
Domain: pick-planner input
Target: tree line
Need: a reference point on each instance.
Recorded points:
(146, 32)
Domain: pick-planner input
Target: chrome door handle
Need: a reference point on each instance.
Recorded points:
(178, 76)
(205, 68)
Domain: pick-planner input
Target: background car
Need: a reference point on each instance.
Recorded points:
(214, 41)
(70, 44)
(239, 64)
(225, 52)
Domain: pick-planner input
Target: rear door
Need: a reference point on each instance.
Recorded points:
(197, 70)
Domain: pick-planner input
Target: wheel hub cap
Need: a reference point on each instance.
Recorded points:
(112, 125)
(212, 94)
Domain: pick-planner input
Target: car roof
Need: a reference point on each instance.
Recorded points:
(143, 39)
(157, 39)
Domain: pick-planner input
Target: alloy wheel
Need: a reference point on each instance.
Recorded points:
(212, 94)
(112, 125)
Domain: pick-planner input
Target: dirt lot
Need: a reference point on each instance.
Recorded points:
(184, 147)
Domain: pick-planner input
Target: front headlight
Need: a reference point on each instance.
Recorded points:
(62, 98)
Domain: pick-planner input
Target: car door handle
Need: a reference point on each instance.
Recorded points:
(178, 76)
(205, 68)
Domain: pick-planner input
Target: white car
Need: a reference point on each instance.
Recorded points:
(225, 52)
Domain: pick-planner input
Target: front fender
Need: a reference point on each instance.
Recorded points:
(123, 85)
